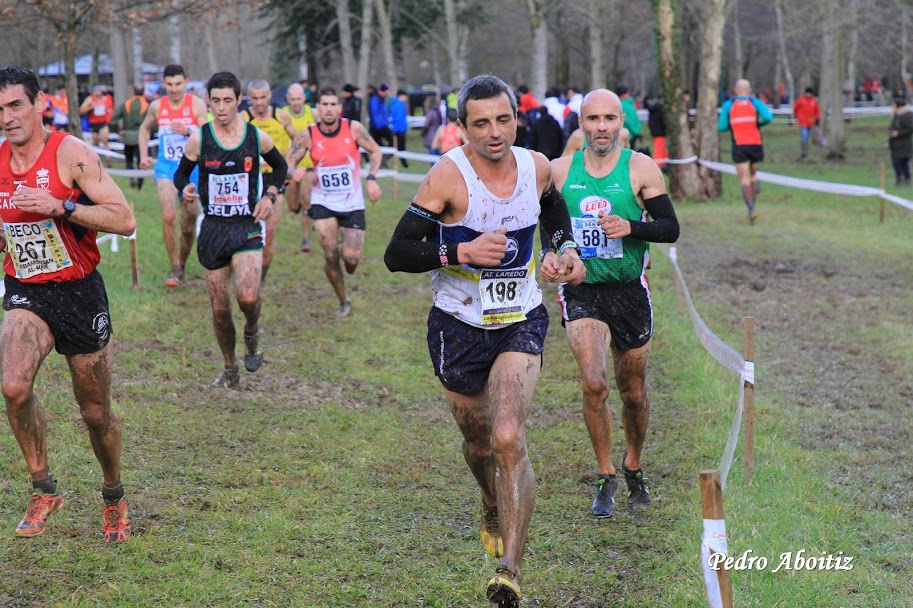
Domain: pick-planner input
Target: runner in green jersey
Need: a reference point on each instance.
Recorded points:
(609, 192)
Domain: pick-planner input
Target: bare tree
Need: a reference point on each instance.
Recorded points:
(386, 40)
(685, 181)
(345, 40)
(832, 71)
(782, 54)
(713, 18)
(364, 53)
(597, 48)
(539, 10)
(737, 42)
(457, 42)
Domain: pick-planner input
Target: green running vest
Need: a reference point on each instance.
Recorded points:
(606, 260)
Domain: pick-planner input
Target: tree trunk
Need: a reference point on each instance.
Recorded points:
(852, 10)
(174, 31)
(453, 42)
(93, 71)
(364, 54)
(540, 57)
(784, 56)
(303, 71)
(68, 47)
(463, 49)
(209, 41)
(137, 40)
(345, 40)
(597, 49)
(904, 44)
(618, 43)
(737, 42)
(832, 71)
(122, 84)
(386, 41)
(714, 23)
(685, 181)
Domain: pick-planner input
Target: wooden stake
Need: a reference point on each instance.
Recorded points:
(395, 178)
(881, 200)
(134, 263)
(712, 503)
(748, 414)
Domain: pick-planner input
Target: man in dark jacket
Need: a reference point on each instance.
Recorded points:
(901, 141)
(546, 136)
(351, 103)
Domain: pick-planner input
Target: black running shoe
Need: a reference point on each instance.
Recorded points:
(638, 492)
(604, 503)
(253, 359)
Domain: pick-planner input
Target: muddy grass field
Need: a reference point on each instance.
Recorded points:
(333, 478)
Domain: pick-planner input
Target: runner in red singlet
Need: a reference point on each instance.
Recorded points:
(54, 196)
(337, 200)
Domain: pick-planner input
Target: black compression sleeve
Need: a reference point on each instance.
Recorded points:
(554, 220)
(182, 175)
(664, 227)
(280, 170)
(412, 247)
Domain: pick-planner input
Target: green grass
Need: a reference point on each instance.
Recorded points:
(334, 477)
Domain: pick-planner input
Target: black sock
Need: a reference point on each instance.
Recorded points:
(606, 476)
(112, 493)
(47, 484)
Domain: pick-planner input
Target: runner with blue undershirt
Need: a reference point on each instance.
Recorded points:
(176, 115)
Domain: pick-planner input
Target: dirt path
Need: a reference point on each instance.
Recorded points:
(824, 349)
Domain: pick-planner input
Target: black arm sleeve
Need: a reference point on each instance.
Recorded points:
(664, 227)
(280, 170)
(554, 220)
(182, 175)
(412, 249)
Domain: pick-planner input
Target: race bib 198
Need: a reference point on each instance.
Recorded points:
(36, 248)
(336, 180)
(501, 293)
(592, 241)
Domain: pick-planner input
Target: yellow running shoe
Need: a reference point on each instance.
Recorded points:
(41, 506)
(491, 531)
(504, 589)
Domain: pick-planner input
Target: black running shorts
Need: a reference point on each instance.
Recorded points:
(349, 219)
(624, 307)
(220, 239)
(746, 154)
(463, 354)
(75, 311)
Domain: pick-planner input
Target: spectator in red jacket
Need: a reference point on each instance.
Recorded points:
(808, 115)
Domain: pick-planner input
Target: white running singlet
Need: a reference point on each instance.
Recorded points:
(492, 298)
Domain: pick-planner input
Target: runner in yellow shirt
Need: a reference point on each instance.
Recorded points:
(298, 190)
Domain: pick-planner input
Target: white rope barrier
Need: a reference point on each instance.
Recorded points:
(726, 356)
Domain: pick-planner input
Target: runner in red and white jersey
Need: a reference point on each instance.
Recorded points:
(177, 114)
(337, 200)
(54, 196)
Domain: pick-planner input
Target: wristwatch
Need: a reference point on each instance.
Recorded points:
(270, 196)
(543, 253)
(68, 208)
(371, 176)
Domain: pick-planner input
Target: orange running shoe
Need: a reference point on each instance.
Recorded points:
(41, 506)
(117, 523)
